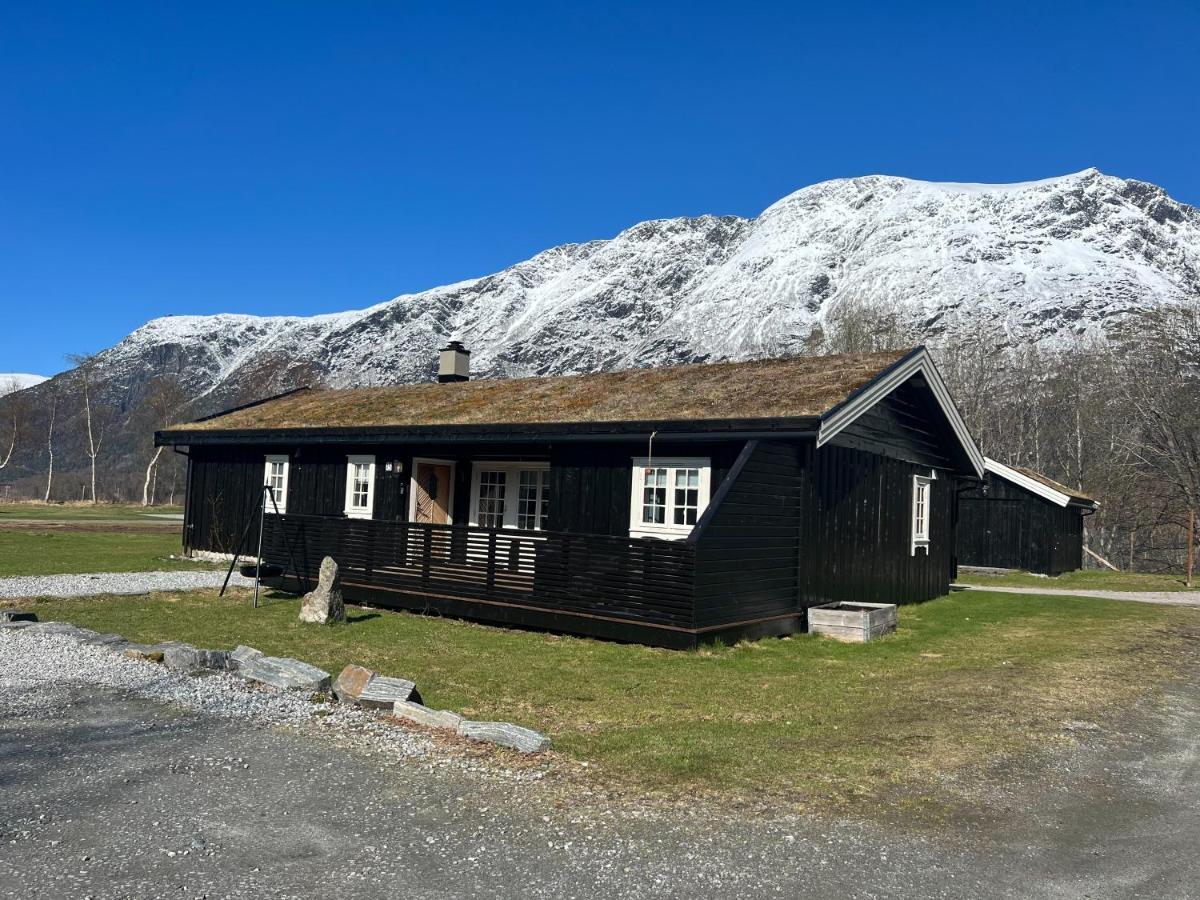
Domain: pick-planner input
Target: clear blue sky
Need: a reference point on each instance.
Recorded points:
(304, 157)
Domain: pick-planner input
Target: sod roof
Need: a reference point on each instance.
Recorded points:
(1051, 483)
(764, 389)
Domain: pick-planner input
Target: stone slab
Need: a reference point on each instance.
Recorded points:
(423, 715)
(287, 674)
(243, 656)
(505, 734)
(181, 658)
(351, 682)
(383, 692)
(105, 640)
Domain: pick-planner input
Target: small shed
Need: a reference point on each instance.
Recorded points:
(1016, 518)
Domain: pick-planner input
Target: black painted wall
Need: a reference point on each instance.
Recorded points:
(1006, 526)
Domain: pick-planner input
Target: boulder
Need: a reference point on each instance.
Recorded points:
(383, 692)
(181, 658)
(350, 683)
(243, 656)
(143, 652)
(356, 684)
(505, 734)
(423, 715)
(325, 604)
(17, 615)
(289, 674)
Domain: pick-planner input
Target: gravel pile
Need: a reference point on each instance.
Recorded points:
(114, 583)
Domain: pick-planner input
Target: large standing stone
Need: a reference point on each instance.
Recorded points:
(325, 604)
(289, 674)
(505, 734)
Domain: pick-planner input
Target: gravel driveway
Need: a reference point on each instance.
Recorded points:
(105, 792)
(1168, 598)
(115, 583)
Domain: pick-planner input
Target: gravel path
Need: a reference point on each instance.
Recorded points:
(1169, 598)
(115, 583)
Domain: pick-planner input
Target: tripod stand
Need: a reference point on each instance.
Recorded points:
(268, 492)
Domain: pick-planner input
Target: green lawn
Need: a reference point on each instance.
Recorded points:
(965, 678)
(1091, 580)
(76, 512)
(54, 552)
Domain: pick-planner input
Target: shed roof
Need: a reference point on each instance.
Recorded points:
(1041, 485)
(794, 387)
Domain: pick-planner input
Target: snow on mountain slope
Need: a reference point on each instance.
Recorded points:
(18, 381)
(1039, 260)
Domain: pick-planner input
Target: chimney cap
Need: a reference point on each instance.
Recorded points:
(456, 346)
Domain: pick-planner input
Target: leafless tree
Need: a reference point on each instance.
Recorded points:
(860, 327)
(15, 407)
(50, 438)
(97, 416)
(161, 406)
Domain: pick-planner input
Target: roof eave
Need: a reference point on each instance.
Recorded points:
(1036, 487)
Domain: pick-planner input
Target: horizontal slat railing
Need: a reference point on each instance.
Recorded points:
(634, 579)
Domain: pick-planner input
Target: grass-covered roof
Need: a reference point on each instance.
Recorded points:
(762, 389)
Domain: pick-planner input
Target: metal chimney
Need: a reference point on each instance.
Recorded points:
(454, 363)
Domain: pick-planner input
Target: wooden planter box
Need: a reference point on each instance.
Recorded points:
(852, 621)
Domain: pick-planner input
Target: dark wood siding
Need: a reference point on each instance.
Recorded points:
(906, 425)
(747, 552)
(1006, 526)
(856, 538)
(590, 483)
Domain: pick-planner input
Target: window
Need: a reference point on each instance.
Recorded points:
(276, 478)
(920, 513)
(360, 486)
(511, 495)
(668, 497)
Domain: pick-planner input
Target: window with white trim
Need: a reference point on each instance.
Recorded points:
(922, 489)
(669, 495)
(360, 486)
(275, 476)
(511, 495)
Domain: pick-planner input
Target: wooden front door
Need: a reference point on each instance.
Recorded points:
(433, 493)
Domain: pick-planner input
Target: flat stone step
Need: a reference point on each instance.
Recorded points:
(287, 674)
(505, 734)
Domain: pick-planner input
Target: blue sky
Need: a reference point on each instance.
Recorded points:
(303, 157)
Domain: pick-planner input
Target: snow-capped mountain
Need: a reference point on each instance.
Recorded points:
(18, 381)
(1038, 260)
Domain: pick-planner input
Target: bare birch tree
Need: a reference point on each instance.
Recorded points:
(96, 417)
(50, 439)
(15, 406)
(162, 404)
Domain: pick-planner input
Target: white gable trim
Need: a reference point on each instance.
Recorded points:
(917, 363)
(1030, 484)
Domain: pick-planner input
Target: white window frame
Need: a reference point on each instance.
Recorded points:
(281, 493)
(920, 537)
(512, 488)
(668, 530)
(367, 512)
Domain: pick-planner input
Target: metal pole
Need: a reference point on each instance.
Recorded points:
(262, 515)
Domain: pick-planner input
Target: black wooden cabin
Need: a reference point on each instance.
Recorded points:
(666, 506)
(1020, 519)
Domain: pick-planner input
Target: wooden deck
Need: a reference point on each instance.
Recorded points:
(632, 580)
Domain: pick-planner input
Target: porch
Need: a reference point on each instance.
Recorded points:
(615, 587)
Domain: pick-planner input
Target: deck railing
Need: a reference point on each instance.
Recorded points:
(634, 579)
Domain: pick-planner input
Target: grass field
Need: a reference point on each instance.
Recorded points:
(1084, 580)
(965, 678)
(31, 551)
(81, 512)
